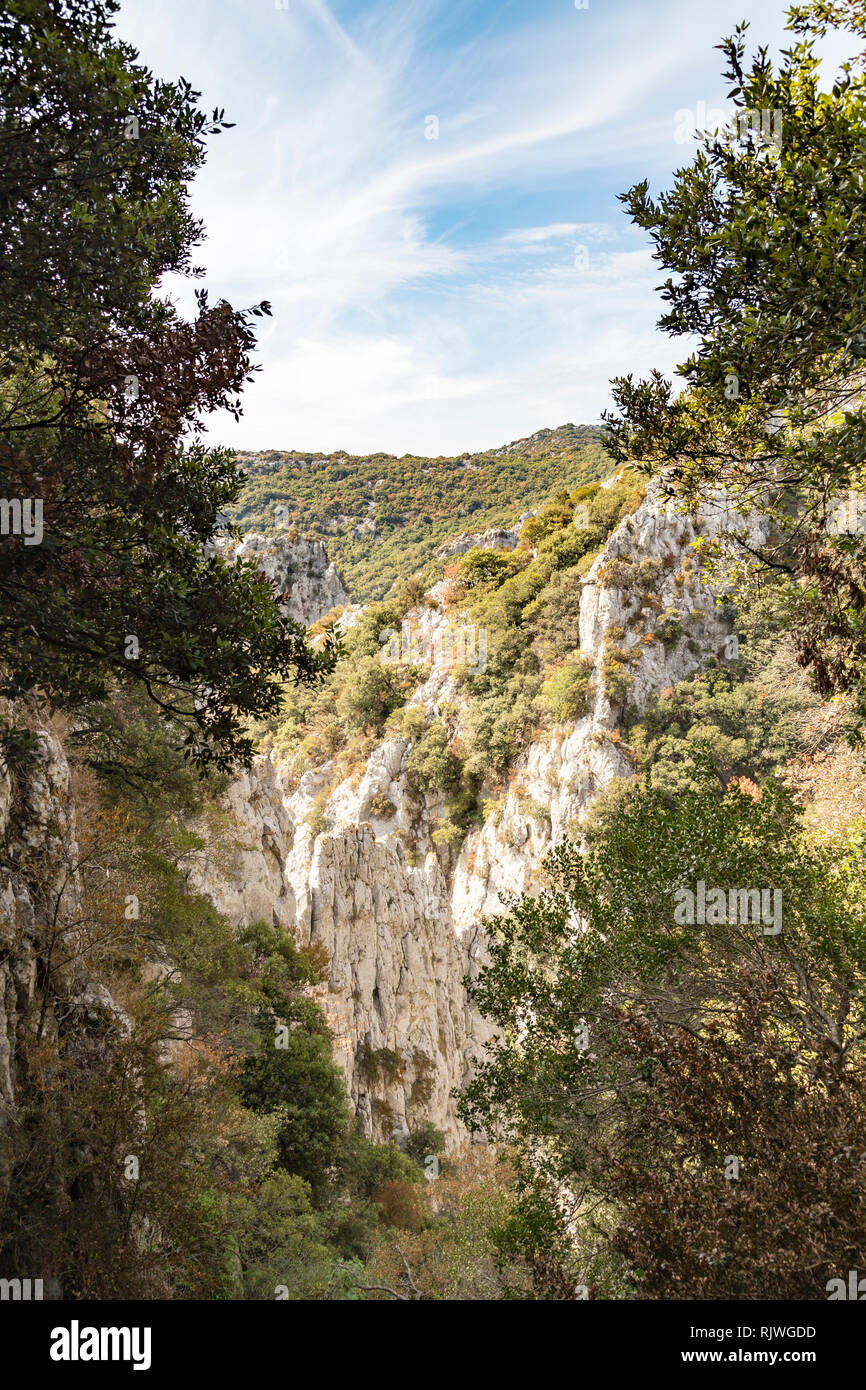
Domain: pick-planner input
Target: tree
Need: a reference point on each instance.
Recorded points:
(303, 1083)
(742, 1175)
(102, 389)
(656, 1018)
(762, 237)
(484, 568)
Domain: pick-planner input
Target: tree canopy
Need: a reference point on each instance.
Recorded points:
(641, 1046)
(103, 389)
(762, 238)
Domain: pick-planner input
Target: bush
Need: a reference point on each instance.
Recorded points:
(568, 690)
(302, 1083)
(425, 1140)
(549, 519)
(411, 722)
(402, 1205)
(483, 569)
(669, 628)
(432, 766)
(618, 573)
(497, 724)
(555, 616)
(368, 695)
(618, 679)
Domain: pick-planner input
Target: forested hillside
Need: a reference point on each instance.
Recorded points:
(383, 517)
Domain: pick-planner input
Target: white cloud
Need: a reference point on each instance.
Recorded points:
(533, 236)
(328, 200)
(430, 387)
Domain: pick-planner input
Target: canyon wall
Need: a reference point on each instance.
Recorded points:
(307, 583)
(402, 921)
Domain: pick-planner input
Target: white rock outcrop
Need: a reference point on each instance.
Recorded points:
(306, 581)
(503, 538)
(403, 925)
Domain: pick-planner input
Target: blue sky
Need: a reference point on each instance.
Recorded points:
(425, 190)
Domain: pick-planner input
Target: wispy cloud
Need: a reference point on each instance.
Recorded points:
(408, 184)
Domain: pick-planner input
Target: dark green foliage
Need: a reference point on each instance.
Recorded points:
(669, 628)
(762, 238)
(302, 1083)
(431, 765)
(102, 389)
(426, 1139)
(747, 718)
(575, 1092)
(253, 1175)
(366, 701)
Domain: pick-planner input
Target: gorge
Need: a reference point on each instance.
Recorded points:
(402, 922)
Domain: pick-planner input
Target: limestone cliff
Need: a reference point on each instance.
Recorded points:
(402, 922)
(307, 583)
(45, 992)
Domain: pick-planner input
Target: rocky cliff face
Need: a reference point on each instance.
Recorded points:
(308, 585)
(403, 926)
(40, 899)
(503, 538)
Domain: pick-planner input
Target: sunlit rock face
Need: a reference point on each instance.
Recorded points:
(502, 538)
(307, 583)
(403, 923)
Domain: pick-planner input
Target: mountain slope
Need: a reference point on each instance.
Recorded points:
(383, 517)
(389, 848)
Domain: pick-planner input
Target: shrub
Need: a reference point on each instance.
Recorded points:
(618, 573)
(410, 593)
(568, 690)
(368, 695)
(649, 571)
(315, 817)
(669, 628)
(425, 1140)
(497, 724)
(551, 518)
(411, 721)
(483, 569)
(617, 679)
(533, 808)
(432, 766)
(379, 1064)
(449, 835)
(402, 1206)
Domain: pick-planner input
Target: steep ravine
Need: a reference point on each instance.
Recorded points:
(403, 926)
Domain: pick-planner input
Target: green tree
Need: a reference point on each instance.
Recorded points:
(102, 389)
(762, 237)
(301, 1081)
(592, 986)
